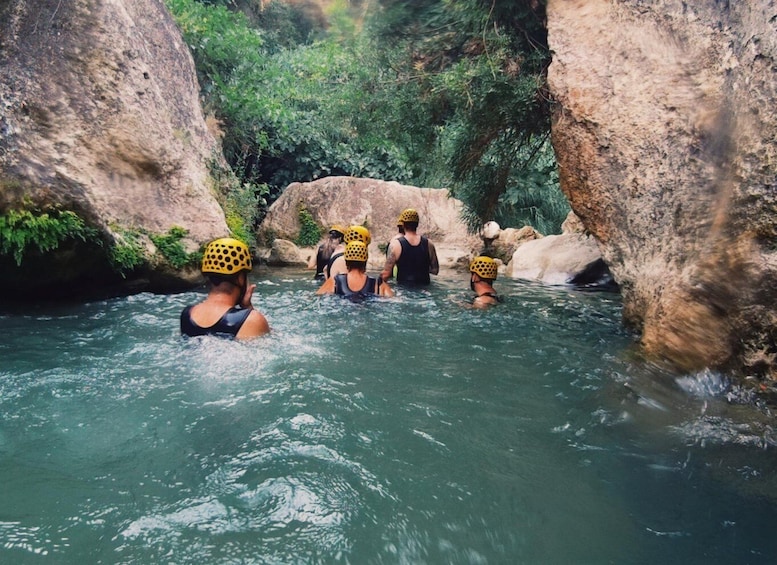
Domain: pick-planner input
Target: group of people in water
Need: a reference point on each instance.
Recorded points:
(340, 262)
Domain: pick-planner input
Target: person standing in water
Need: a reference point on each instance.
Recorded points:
(400, 232)
(413, 254)
(327, 249)
(227, 310)
(337, 264)
(482, 274)
(355, 284)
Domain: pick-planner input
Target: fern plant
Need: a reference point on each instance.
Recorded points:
(22, 230)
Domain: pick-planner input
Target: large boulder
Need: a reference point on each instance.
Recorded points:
(664, 126)
(553, 259)
(377, 205)
(101, 116)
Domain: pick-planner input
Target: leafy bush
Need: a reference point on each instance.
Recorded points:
(126, 254)
(309, 232)
(243, 202)
(169, 245)
(21, 230)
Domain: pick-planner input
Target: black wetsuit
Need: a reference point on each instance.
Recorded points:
(413, 263)
(371, 288)
(228, 326)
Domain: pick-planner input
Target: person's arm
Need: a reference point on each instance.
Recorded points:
(328, 287)
(313, 259)
(385, 290)
(394, 251)
(434, 265)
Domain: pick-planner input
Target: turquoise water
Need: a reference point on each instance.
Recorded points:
(408, 431)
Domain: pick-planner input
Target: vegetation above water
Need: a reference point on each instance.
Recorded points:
(432, 93)
(24, 230)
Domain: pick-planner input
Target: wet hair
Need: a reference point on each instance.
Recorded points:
(356, 265)
(217, 278)
(327, 247)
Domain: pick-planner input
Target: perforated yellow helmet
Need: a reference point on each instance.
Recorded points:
(409, 215)
(484, 267)
(357, 233)
(400, 222)
(355, 251)
(226, 256)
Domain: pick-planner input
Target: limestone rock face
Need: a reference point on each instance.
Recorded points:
(99, 114)
(376, 204)
(664, 129)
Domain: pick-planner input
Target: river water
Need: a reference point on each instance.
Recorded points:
(415, 430)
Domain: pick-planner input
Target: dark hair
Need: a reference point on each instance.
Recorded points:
(218, 278)
(356, 264)
(412, 225)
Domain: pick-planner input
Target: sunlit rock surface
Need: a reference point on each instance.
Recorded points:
(99, 114)
(664, 126)
(377, 205)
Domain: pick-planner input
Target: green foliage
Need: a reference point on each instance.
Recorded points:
(169, 245)
(126, 254)
(309, 231)
(288, 115)
(478, 71)
(431, 92)
(243, 202)
(21, 230)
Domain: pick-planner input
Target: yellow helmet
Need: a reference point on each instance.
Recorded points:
(226, 256)
(409, 215)
(357, 233)
(484, 267)
(338, 228)
(400, 222)
(355, 251)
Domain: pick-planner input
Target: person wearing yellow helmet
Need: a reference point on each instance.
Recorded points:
(414, 255)
(227, 310)
(337, 264)
(482, 274)
(355, 284)
(327, 248)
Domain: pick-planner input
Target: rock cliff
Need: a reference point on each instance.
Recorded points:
(100, 115)
(664, 127)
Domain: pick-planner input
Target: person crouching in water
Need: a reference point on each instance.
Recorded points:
(355, 284)
(227, 310)
(327, 249)
(482, 274)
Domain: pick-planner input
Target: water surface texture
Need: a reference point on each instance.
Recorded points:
(415, 430)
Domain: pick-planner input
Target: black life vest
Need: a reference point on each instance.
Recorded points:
(413, 263)
(371, 288)
(227, 326)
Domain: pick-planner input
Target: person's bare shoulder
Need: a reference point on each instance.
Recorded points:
(254, 326)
